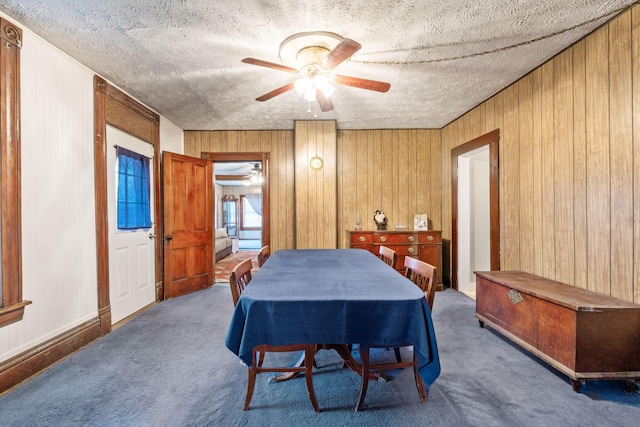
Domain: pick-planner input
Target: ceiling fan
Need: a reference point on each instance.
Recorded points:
(314, 56)
(255, 175)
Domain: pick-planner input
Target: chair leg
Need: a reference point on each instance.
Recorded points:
(309, 356)
(364, 373)
(419, 382)
(250, 386)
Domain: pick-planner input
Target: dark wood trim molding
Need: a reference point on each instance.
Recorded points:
(12, 305)
(251, 157)
(102, 226)
(115, 108)
(22, 367)
(492, 139)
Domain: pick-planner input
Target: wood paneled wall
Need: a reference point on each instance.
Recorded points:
(569, 163)
(316, 197)
(281, 174)
(397, 171)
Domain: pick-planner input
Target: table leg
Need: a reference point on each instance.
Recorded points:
(364, 360)
(289, 375)
(350, 362)
(343, 351)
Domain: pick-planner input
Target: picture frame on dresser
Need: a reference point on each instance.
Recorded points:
(421, 222)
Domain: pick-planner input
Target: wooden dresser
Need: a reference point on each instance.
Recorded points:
(426, 245)
(582, 334)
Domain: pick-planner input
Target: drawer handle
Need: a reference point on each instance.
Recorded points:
(411, 238)
(362, 239)
(383, 238)
(429, 238)
(410, 250)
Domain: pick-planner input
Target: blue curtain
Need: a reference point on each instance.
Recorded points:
(134, 210)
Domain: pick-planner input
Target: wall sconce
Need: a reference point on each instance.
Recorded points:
(316, 163)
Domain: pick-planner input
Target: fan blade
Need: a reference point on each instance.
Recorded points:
(362, 83)
(340, 53)
(324, 102)
(275, 66)
(280, 90)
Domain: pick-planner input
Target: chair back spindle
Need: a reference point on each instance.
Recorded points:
(388, 255)
(239, 279)
(423, 275)
(263, 255)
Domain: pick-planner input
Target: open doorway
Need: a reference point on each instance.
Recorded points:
(238, 195)
(242, 205)
(475, 237)
(473, 218)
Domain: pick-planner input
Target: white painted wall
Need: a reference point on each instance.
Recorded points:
(473, 217)
(58, 201)
(480, 213)
(171, 137)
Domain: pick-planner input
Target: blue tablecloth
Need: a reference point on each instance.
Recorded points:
(333, 296)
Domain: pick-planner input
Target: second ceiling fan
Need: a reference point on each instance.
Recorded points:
(314, 56)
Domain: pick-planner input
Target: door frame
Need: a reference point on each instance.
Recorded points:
(115, 108)
(258, 156)
(491, 139)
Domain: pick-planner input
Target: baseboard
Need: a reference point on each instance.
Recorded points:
(33, 361)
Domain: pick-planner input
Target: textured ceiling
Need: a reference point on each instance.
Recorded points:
(182, 57)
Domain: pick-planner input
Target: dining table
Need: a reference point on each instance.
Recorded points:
(333, 296)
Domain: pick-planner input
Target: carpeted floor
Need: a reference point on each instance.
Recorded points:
(169, 367)
(225, 265)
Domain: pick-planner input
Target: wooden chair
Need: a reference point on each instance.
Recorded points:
(388, 255)
(263, 255)
(238, 281)
(423, 275)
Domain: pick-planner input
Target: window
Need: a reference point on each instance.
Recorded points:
(11, 303)
(133, 190)
(249, 218)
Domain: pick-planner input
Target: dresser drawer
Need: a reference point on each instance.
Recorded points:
(403, 250)
(390, 238)
(430, 237)
(360, 238)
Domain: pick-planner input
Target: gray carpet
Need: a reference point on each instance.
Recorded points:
(169, 367)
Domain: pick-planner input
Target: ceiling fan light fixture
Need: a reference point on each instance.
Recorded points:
(291, 48)
(313, 56)
(310, 94)
(321, 82)
(302, 85)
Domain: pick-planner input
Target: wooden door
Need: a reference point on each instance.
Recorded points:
(188, 224)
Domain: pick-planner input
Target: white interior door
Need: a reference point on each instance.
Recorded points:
(131, 253)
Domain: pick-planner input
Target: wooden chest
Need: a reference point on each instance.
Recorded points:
(426, 245)
(582, 334)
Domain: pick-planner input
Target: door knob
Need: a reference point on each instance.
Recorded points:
(169, 237)
(152, 236)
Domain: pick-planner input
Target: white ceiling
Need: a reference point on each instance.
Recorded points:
(242, 170)
(182, 57)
